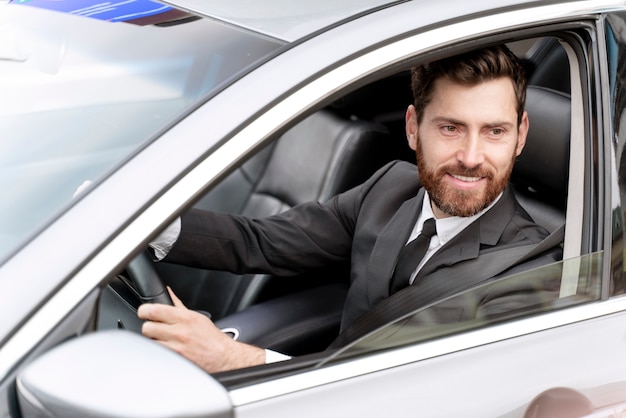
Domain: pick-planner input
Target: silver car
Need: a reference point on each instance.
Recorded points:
(115, 118)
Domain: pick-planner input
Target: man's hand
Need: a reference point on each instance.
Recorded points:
(194, 336)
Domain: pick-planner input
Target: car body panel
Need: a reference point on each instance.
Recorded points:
(471, 380)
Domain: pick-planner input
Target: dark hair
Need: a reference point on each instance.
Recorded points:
(470, 68)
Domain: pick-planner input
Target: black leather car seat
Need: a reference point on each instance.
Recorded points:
(319, 157)
(541, 172)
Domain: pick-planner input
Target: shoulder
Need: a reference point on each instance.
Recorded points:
(507, 223)
(525, 224)
(399, 168)
(394, 183)
(397, 175)
(381, 195)
(396, 178)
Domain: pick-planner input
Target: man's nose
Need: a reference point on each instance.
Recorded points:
(471, 152)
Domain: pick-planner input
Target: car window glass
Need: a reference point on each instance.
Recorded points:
(529, 293)
(81, 93)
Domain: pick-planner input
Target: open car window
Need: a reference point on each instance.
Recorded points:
(542, 290)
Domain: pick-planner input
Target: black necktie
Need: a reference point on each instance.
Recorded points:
(411, 255)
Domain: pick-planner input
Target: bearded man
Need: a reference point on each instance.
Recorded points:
(467, 126)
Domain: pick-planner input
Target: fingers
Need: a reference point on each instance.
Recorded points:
(159, 313)
(165, 323)
(162, 313)
(158, 331)
(177, 302)
(194, 336)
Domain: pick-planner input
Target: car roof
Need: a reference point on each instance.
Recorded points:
(283, 19)
(290, 20)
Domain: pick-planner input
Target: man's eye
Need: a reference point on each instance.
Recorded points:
(497, 131)
(449, 128)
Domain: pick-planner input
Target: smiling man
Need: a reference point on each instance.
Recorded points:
(467, 126)
(466, 130)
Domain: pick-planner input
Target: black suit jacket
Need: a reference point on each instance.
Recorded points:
(367, 225)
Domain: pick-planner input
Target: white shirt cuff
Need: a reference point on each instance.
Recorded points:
(275, 357)
(163, 243)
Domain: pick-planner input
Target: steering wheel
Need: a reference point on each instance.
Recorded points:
(148, 283)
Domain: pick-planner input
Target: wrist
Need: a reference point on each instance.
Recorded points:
(242, 355)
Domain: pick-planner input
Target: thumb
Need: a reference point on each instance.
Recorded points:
(175, 300)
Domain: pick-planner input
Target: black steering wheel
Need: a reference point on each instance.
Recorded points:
(148, 283)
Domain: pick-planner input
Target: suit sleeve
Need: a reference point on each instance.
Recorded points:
(306, 237)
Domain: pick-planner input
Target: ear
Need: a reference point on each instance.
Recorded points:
(411, 127)
(522, 133)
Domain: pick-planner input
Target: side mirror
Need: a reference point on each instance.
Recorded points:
(115, 374)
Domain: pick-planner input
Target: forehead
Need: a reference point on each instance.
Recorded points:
(492, 99)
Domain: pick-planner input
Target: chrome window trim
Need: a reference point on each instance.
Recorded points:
(118, 248)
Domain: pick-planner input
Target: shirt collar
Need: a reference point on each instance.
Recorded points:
(447, 228)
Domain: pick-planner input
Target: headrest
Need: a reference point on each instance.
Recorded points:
(329, 154)
(543, 165)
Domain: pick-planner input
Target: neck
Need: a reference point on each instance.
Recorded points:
(439, 214)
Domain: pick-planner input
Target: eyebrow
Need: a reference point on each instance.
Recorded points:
(452, 121)
(439, 119)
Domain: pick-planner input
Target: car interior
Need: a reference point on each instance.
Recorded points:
(337, 148)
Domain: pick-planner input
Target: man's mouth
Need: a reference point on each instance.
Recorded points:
(466, 179)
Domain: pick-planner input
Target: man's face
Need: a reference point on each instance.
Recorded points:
(466, 144)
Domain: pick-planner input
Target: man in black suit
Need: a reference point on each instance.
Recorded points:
(467, 126)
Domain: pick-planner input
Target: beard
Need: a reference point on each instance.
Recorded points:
(458, 202)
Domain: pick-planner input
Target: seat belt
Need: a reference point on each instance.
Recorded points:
(444, 283)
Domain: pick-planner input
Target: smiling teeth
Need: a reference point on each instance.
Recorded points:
(468, 179)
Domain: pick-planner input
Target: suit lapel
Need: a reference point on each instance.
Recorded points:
(464, 246)
(388, 245)
(484, 232)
